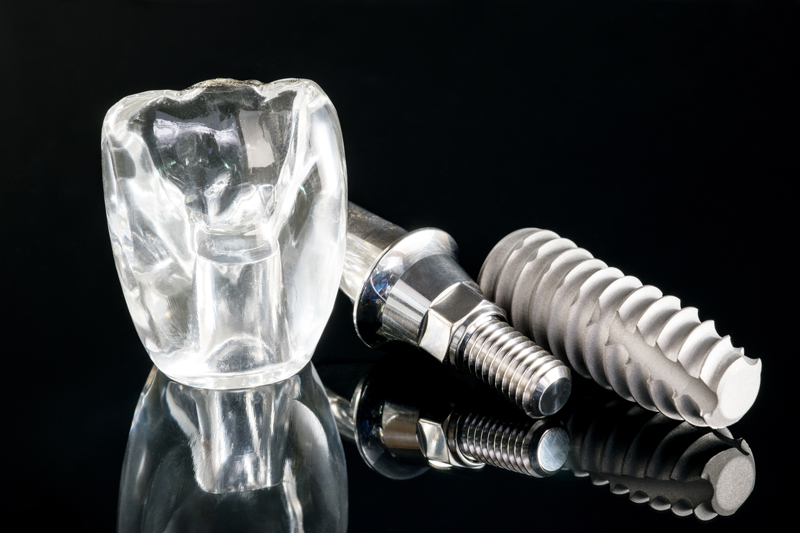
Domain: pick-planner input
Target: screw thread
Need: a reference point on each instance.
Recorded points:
(512, 364)
(624, 335)
(531, 448)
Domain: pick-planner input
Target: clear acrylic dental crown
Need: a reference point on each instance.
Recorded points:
(226, 206)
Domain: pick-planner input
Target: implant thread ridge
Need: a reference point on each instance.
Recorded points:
(506, 360)
(610, 328)
(496, 443)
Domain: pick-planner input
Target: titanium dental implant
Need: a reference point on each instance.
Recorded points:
(409, 287)
(626, 336)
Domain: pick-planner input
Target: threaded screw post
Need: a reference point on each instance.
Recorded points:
(514, 365)
(409, 287)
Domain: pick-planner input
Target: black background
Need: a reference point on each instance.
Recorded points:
(659, 135)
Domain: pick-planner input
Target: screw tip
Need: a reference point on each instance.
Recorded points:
(551, 454)
(552, 391)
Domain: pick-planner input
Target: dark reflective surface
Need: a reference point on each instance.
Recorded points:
(659, 135)
(664, 463)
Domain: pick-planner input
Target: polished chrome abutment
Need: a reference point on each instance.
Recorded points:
(408, 286)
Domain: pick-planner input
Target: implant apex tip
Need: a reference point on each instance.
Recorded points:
(733, 477)
(736, 392)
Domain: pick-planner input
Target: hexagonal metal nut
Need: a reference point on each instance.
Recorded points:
(433, 442)
(437, 442)
(451, 311)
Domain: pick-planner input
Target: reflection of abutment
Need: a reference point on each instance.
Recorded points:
(401, 434)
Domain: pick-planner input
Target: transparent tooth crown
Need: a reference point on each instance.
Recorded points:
(226, 206)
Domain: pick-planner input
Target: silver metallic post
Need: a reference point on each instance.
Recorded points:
(409, 287)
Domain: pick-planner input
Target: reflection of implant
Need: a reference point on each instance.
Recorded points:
(409, 287)
(664, 463)
(623, 335)
(534, 449)
(400, 433)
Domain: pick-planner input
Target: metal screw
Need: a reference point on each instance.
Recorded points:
(625, 336)
(409, 287)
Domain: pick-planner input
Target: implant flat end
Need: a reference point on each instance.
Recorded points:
(547, 445)
(733, 476)
(736, 392)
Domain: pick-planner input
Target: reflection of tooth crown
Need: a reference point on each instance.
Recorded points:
(612, 329)
(260, 459)
(661, 462)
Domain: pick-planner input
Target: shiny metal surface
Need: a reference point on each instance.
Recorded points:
(409, 287)
(371, 439)
(343, 414)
